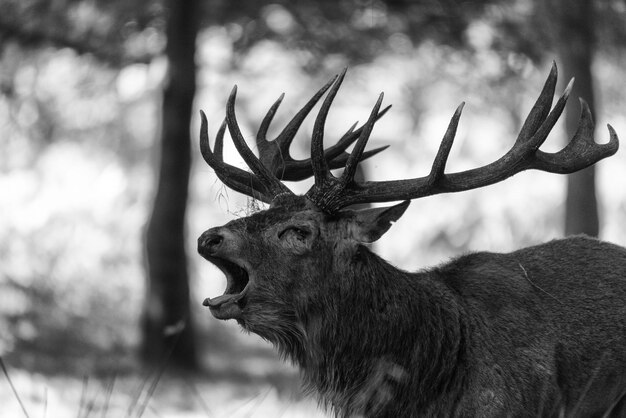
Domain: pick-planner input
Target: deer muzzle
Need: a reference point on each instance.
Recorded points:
(210, 242)
(218, 246)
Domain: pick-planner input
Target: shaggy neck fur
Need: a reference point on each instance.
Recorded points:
(382, 333)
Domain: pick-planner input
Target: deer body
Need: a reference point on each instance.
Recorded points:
(486, 334)
(537, 332)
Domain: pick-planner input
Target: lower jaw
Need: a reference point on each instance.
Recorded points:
(230, 311)
(228, 306)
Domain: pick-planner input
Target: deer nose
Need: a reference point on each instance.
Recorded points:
(210, 241)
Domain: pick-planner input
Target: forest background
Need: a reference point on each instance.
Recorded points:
(103, 191)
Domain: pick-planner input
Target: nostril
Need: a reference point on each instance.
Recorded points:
(214, 241)
(209, 241)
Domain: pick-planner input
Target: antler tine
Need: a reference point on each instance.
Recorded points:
(347, 139)
(342, 159)
(235, 178)
(275, 155)
(285, 138)
(321, 171)
(286, 168)
(546, 126)
(439, 164)
(261, 136)
(357, 152)
(296, 170)
(582, 151)
(542, 106)
(219, 140)
(271, 183)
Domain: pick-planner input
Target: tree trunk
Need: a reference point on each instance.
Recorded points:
(572, 25)
(167, 325)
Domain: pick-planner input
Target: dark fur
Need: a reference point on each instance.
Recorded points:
(536, 332)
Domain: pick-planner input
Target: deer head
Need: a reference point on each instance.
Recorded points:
(286, 264)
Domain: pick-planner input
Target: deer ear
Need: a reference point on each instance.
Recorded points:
(368, 225)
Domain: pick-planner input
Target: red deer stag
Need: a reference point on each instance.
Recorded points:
(537, 332)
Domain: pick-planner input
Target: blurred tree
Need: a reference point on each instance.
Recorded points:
(167, 301)
(119, 33)
(572, 31)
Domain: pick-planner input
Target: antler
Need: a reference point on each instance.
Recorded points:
(275, 162)
(330, 193)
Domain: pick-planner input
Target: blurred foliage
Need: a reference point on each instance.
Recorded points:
(80, 85)
(121, 32)
(66, 260)
(116, 32)
(75, 187)
(357, 31)
(353, 31)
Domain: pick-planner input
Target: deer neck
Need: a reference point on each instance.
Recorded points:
(383, 325)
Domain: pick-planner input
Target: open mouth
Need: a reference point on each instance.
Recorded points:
(230, 304)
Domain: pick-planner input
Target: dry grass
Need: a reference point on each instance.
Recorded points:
(24, 394)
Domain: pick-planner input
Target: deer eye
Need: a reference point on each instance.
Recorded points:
(294, 232)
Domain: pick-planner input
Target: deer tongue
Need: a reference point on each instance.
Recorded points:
(224, 306)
